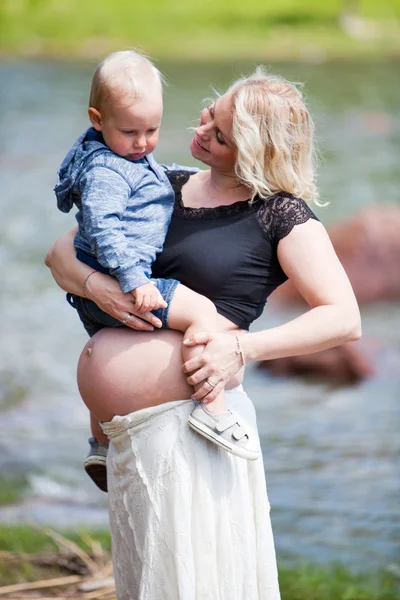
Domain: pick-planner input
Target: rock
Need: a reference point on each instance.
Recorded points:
(368, 246)
(348, 363)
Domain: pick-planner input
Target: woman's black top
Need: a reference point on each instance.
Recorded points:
(229, 253)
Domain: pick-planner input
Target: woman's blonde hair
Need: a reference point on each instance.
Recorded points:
(273, 132)
(121, 76)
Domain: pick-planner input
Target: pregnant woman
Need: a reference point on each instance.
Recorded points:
(188, 520)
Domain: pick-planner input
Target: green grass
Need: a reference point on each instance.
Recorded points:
(298, 582)
(26, 539)
(12, 488)
(198, 29)
(23, 539)
(337, 582)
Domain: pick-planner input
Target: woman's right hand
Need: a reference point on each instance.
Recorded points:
(106, 293)
(71, 274)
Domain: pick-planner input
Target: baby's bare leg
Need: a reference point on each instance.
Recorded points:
(97, 431)
(191, 313)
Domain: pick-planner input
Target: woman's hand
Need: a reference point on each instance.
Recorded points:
(71, 274)
(106, 293)
(217, 364)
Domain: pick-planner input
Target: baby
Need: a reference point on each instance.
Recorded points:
(125, 202)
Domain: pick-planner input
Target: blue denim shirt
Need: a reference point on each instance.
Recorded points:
(124, 207)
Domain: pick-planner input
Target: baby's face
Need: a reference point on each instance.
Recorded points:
(132, 131)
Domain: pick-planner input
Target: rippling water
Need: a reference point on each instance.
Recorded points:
(331, 453)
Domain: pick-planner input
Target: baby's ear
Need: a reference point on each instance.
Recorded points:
(95, 118)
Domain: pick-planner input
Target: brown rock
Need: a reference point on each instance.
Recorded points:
(348, 363)
(368, 246)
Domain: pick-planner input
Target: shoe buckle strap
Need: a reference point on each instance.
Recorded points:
(238, 433)
(225, 424)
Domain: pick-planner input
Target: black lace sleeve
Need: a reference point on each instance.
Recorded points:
(178, 179)
(278, 215)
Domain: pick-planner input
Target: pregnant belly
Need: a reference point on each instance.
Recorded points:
(121, 371)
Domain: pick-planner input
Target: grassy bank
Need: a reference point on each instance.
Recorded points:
(203, 29)
(12, 488)
(33, 551)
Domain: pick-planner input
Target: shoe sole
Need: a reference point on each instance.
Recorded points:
(221, 442)
(97, 472)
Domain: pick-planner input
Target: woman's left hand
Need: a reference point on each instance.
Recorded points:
(215, 365)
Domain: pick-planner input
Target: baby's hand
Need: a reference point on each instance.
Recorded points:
(147, 297)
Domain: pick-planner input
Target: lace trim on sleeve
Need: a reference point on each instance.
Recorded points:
(278, 215)
(178, 179)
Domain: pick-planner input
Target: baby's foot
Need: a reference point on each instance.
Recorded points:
(95, 463)
(225, 430)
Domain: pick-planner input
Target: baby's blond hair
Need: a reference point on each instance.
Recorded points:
(120, 78)
(273, 132)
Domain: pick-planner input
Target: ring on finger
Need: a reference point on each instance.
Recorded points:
(211, 383)
(127, 318)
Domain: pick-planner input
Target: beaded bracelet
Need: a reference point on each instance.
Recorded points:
(85, 282)
(239, 350)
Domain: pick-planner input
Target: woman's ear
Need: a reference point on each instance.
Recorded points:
(95, 118)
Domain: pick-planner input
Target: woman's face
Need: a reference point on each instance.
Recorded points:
(212, 142)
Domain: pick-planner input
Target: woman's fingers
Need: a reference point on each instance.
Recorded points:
(202, 337)
(199, 376)
(207, 393)
(152, 319)
(195, 363)
(126, 305)
(138, 324)
(145, 322)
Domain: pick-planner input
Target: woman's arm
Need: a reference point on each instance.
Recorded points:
(309, 260)
(71, 275)
(68, 272)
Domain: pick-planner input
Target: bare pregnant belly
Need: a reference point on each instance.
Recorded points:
(121, 371)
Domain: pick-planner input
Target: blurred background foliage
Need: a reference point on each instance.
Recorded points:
(203, 29)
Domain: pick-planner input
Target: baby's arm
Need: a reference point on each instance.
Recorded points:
(105, 195)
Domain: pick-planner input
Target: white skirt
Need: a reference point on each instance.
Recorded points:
(188, 520)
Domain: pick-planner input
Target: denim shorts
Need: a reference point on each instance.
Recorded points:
(94, 319)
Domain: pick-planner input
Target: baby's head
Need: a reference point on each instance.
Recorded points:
(126, 103)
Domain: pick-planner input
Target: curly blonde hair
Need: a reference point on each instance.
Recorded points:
(273, 132)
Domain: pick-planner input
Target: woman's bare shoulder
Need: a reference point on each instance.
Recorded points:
(198, 179)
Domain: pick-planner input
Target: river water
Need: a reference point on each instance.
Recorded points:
(331, 453)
